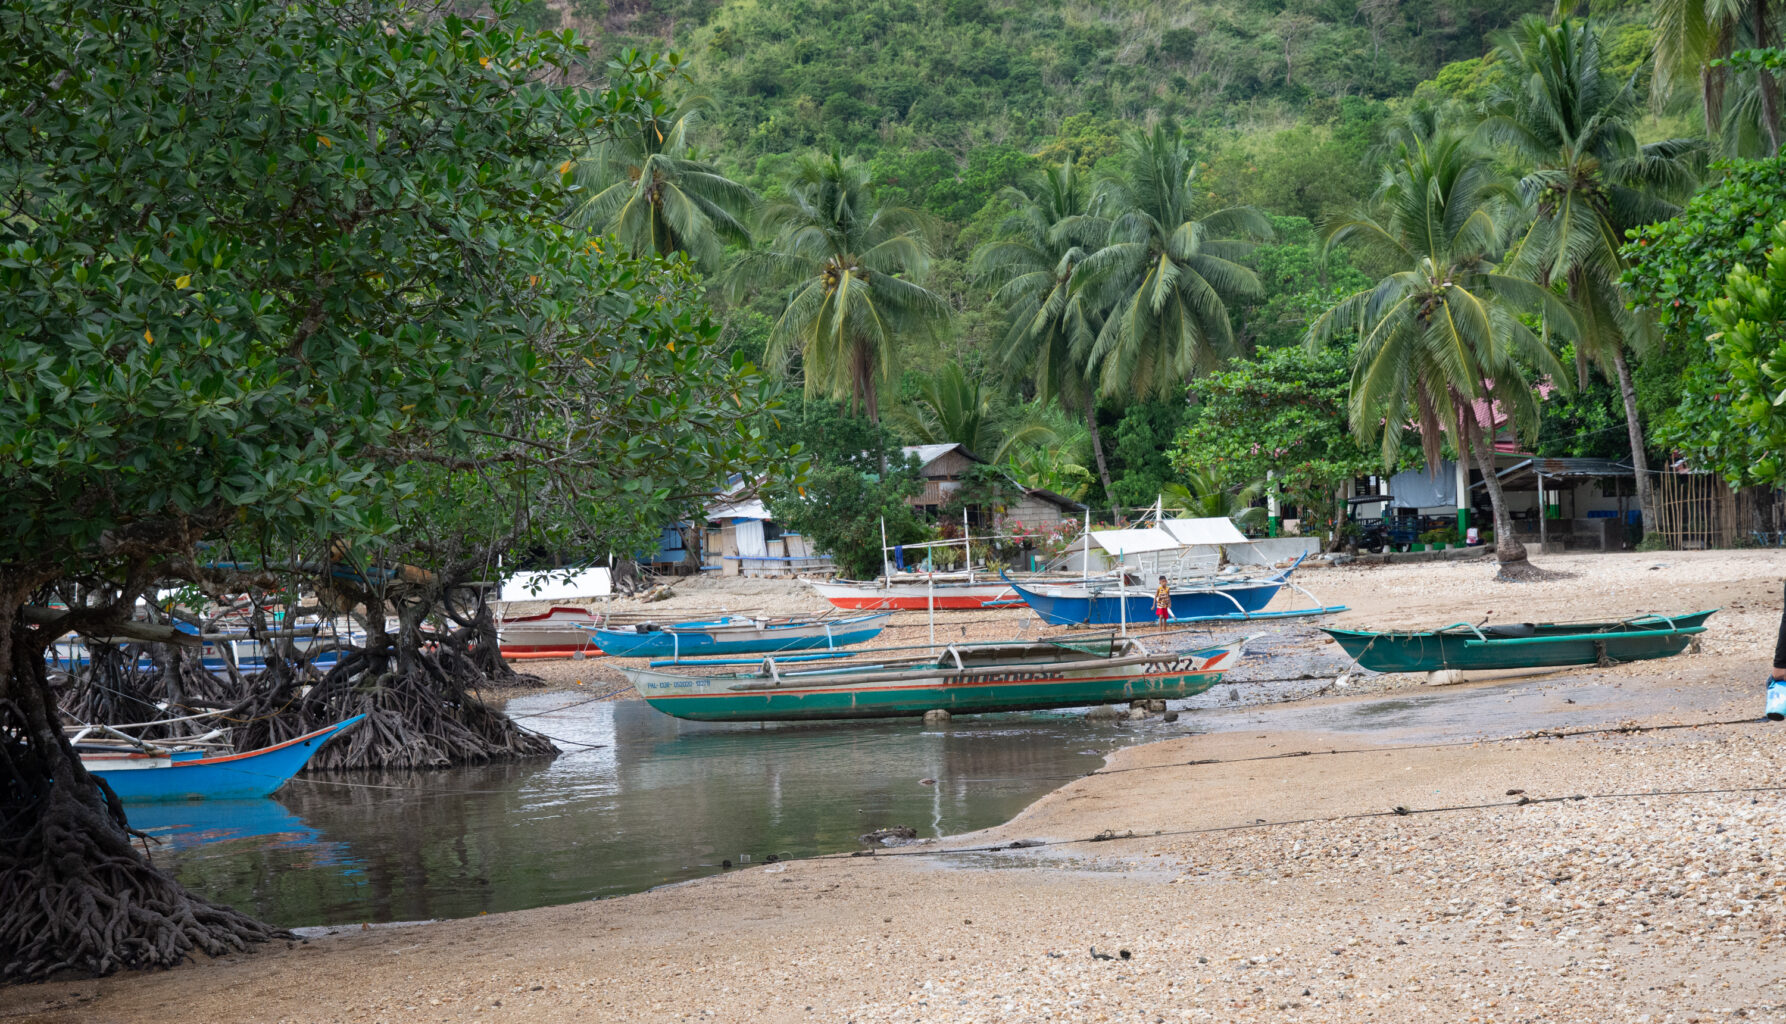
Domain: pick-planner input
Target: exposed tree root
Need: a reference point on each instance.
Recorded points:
(76, 895)
(1523, 571)
(420, 718)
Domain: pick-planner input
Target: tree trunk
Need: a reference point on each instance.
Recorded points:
(74, 893)
(1097, 450)
(862, 385)
(1769, 85)
(1507, 549)
(1634, 426)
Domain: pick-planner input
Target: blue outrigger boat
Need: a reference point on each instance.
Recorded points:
(142, 772)
(738, 635)
(1101, 602)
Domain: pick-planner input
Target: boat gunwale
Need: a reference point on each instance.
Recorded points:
(739, 624)
(1472, 634)
(1188, 673)
(931, 673)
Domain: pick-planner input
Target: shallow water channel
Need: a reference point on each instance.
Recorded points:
(657, 801)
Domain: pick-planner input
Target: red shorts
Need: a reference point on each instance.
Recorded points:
(1161, 613)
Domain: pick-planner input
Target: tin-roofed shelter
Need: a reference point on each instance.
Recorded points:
(1571, 502)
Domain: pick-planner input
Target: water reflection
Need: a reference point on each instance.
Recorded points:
(641, 800)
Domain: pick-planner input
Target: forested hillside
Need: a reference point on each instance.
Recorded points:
(1282, 119)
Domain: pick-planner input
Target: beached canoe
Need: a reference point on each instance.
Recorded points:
(1522, 645)
(1107, 602)
(144, 774)
(963, 679)
(738, 635)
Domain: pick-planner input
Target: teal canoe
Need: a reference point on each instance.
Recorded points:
(963, 679)
(1522, 645)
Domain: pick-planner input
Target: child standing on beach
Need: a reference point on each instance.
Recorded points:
(1776, 680)
(1162, 603)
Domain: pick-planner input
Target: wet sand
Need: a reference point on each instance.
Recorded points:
(1273, 880)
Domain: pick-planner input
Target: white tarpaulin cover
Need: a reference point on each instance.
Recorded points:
(552, 586)
(1218, 530)
(752, 509)
(1134, 542)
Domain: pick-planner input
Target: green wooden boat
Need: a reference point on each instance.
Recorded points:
(1522, 645)
(963, 679)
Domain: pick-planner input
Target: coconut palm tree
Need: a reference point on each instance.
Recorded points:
(852, 269)
(1030, 264)
(1440, 340)
(648, 187)
(1165, 271)
(1207, 493)
(1568, 121)
(1690, 34)
(950, 407)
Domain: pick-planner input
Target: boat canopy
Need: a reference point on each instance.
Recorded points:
(1214, 530)
(1135, 542)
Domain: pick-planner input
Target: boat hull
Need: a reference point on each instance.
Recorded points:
(681, 642)
(1078, 606)
(558, 633)
(1017, 690)
(911, 596)
(256, 773)
(1463, 651)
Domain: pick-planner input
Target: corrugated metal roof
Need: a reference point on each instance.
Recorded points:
(928, 453)
(1058, 500)
(1568, 468)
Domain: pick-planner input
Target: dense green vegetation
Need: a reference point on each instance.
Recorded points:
(1111, 204)
(250, 345)
(369, 298)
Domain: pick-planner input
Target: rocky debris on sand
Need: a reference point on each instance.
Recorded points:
(893, 835)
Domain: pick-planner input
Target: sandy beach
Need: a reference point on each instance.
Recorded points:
(1358, 855)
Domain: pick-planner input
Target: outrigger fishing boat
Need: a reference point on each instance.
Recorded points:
(962, 679)
(1522, 645)
(142, 771)
(1118, 600)
(737, 635)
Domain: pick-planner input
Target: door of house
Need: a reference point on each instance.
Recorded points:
(750, 537)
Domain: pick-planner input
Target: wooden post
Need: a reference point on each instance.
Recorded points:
(1543, 515)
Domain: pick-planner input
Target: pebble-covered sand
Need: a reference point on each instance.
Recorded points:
(1273, 880)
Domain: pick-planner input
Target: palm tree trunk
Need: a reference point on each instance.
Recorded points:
(1770, 86)
(1634, 425)
(1507, 549)
(1097, 449)
(862, 385)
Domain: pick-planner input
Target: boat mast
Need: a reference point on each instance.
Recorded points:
(967, 545)
(1085, 562)
(1122, 591)
(886, 566)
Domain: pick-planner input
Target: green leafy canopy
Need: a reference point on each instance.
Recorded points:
(269, 273)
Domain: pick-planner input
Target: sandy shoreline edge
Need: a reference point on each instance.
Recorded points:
(1603, 909)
